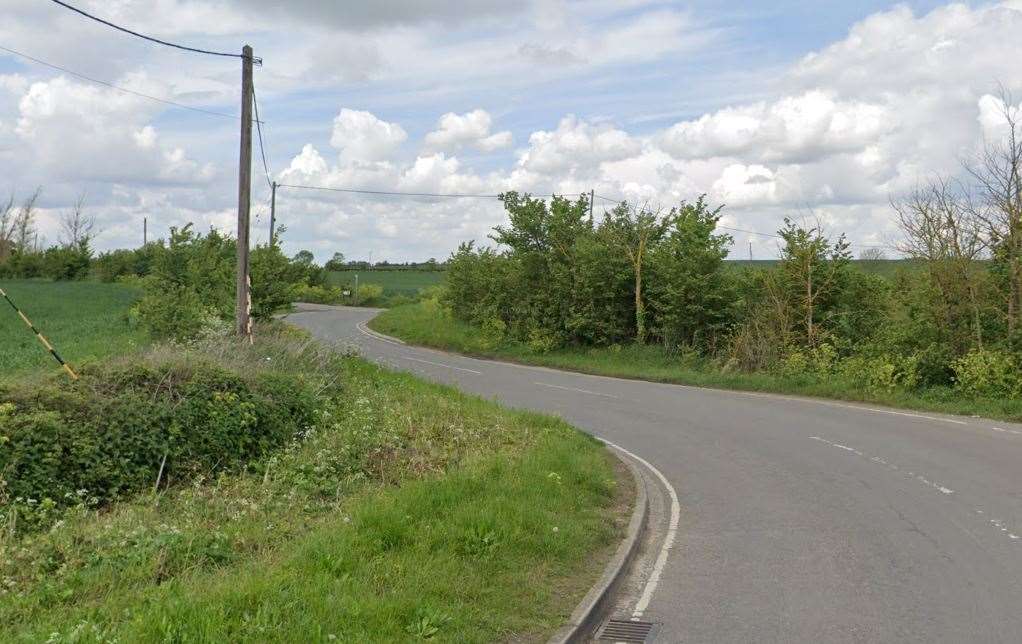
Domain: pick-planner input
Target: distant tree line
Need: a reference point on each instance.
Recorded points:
(339, 263)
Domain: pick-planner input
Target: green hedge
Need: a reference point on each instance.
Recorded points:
(107, 435)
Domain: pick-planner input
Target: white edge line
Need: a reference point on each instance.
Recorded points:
(364, 330)
(581, 391)
(672, 531)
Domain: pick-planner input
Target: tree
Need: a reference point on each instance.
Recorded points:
(76, 226)
(997, 171)
(810, 276)
(304, 257)
(17, 225)
(941, 229)
(632, 231)
(873, 254)
(335, 263)
(690, 296)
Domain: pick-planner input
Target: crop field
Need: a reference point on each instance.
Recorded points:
(83, 321)
(393, 282)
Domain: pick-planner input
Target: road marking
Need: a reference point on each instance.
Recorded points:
(876, 459)
(996, 523)
(364, 330)
(440, 364)
(581, 391)
(672, 530)
(1008, 431)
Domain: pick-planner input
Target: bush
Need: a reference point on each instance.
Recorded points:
(67, 262)
(369, 294)
(117, 264)
(111, 433)
(988, 374)
(319, 294)
(933, 366)
(880, 374)
(192, 283)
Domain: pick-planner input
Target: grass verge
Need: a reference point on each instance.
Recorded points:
(427, 324)
(406, 512)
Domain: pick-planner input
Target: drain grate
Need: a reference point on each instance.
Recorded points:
(627, 630)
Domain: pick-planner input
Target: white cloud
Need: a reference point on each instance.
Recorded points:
(802, 128)
(455, 131)
(576, 147)
(361, 136)
(741, 185)
(69, 128)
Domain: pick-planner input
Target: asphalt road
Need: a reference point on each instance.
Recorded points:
(800, 520)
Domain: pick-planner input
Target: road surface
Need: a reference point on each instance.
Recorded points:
(798, 520)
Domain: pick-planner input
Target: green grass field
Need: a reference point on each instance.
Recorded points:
(883, 267)
(393, 282)
(425, 323)
(83, 320)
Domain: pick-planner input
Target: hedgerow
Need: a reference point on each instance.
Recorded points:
(149, 421)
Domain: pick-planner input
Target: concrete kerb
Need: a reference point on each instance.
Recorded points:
(589, 613)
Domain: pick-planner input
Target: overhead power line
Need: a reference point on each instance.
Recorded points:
(387, 192)
(117, 87)
(262, 147)
(149, 38)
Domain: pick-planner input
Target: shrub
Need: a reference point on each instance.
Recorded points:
(493, 332)
(319, 294)
(192, 282)
(369, 294)
(112, 433)
(880, 373)
(988, 374)
(67, 262)
(933, 366)
(542, 341)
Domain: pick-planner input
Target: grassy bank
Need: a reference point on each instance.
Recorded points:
(83, 320)
(407, 511)
(427, 324)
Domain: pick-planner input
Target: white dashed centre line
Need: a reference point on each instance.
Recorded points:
(891, 466)
(1007, 431)
(581, 391)
(440, 364)
(996, 523)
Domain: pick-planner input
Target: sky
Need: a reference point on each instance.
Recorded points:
(819, 111)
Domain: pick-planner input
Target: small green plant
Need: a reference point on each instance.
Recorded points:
(427, 624)
(480, 541)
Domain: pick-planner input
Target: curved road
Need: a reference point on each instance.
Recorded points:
(800, 520)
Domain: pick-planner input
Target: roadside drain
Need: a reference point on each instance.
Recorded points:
(627, 630)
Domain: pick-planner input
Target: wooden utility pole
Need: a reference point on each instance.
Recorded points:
(273, 210)
(241, 302)
(592, 198)
(145, 231)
